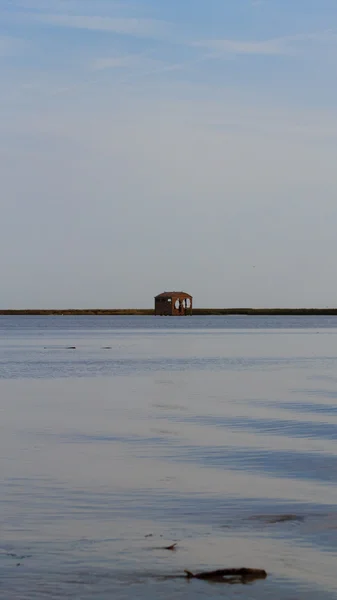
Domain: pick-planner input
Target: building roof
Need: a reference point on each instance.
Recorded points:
(171, 294)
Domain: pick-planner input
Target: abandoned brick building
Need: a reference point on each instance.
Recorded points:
(173, 304)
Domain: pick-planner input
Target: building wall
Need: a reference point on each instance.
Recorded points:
(165, 307)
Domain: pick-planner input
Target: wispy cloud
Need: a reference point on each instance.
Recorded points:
(139, 27)
(71, 6)
(221, 47)
(287, 45)
(114, 62)
(135, 67)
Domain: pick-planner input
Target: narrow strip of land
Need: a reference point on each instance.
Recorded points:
(149, 312)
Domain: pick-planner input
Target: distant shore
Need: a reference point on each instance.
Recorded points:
(196, 311)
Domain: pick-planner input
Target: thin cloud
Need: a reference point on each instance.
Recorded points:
(135, 67)
(113, 62)
(268, 47)
(58, 6)
(130, 61)
(281, 46)
(148, 28)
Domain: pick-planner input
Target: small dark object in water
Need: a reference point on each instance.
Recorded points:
(18, 564)
(243, 575)
(285, 518)
(272, 519)
(106, 348)
(149, 535)
(71, 348)
(172, 547)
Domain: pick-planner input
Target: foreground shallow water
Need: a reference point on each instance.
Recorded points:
(119, 436)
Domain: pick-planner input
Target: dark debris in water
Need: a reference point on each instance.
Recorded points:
(18, 556)
(231, 576)
(272, 519)
(171, 547)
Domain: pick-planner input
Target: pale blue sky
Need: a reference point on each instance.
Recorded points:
(152, 144)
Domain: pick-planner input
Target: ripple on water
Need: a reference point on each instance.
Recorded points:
(214, 436)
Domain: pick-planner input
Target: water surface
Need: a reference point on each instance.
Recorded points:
(120, 435)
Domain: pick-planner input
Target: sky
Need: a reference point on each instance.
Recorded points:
(152, 145)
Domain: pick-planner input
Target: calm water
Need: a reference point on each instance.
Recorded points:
(219, 433)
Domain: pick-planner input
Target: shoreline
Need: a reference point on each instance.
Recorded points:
(150, 312)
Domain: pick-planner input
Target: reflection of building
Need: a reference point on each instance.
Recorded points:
(173, 303)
